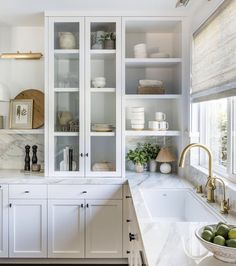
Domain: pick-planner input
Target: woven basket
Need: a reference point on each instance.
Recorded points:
(151, 90)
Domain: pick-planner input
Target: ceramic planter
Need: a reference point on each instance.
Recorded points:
(139, 168)
(109, 44)
(152, 166)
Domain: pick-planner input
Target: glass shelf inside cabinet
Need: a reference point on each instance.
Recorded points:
(103, 35)
(66, 153)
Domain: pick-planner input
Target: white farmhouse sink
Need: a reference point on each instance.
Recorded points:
(177, 205)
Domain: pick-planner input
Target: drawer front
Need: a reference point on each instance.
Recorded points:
(28, 191)
(85, 192)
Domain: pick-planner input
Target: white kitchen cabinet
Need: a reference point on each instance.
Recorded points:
(27, 228)
(66, 228)
(103, 229)
(3, 221)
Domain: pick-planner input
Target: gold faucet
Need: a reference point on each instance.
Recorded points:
(210, 180)
(224, 204)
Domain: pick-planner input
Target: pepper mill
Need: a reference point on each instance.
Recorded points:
(27, 158)
(34, 157)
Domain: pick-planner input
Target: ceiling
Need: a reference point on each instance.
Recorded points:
(30, 12)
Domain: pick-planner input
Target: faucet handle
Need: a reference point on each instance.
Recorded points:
(199, 189)
(224, 206)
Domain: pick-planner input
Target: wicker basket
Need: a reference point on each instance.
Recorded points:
(151, 90)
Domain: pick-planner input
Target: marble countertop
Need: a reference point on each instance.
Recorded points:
(170, 243)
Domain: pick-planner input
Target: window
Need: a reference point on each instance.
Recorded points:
(213, 91)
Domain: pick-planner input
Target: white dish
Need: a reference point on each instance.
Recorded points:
(137, 109)
(150, 82)
(159, 55)
(137, 127)
(135, 116)
(137, 122)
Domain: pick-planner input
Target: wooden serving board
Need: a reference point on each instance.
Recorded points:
(38, 105)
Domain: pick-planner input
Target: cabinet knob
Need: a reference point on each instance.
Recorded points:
(82, 205)
(81, 154)
(127, 252)
(10, 205)
(86, 154)
(128, 221)
(128, 197)
(27, 191)
(87, 206)
(84, 192)
(131, 237)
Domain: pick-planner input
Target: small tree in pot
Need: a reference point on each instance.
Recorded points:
(151, 151)
(138, 158)
(109, 40)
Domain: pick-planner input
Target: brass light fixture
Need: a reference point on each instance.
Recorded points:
(21, 56)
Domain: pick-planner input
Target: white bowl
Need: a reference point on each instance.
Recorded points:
(137, 116)
(223, 253)
(137, 127)
(159, 55)
(137, 122)
(137, 109)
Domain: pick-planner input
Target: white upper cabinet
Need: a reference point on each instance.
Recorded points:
(4, 221)
(84, 96)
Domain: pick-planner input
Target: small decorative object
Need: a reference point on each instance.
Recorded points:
(165, 157)
(138, 158)
(64, 118)
(1, 122)
(102, 127)
(74, 125)
(38, 108)
(27, 158)
(67, 40)
(160, 116)
(99, 82)
(36, 167)
(70, 159)
(66, 165)
(164, 125)
(34, 157)
(140, 50)
(99, 43)
(109, 39)
(150, 87)
(103, 167)
(21, 114)
(151, 151)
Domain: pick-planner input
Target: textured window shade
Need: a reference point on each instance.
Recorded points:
(214, 56)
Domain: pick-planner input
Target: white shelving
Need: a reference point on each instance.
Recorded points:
(66, 51)
(66, 134)
(152, 62)
(66, 89)
(152, 97)
(102, 134)
(22, 131)
(103, 89)
(152, 133)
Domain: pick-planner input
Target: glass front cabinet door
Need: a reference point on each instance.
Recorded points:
(84, 97)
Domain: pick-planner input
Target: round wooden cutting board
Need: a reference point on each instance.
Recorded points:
(38, 105)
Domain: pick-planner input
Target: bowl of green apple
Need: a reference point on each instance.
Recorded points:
(220, 239)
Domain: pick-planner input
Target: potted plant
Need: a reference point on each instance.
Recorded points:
(109, 39)
(138, 158)
(151, 151)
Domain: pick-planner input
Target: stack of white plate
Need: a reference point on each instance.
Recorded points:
(102, 127)
(136, 116)
(140, 50)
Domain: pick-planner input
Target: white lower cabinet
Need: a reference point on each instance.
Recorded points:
(66, 228)
(104, 228)
(4, 221)
(27, 228)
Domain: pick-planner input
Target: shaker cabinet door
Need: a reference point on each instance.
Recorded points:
(104, 229)
(4, 221)
(66, 228)
(28, 228)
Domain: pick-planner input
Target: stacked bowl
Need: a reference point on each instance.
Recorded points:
(136, 116)
(140, 50)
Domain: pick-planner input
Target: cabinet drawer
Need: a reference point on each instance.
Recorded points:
(28, 191)
(84, 192)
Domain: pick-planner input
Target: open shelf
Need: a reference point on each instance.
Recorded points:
(66, 51)
(102, 54)
(152, 96)
(66, 134)
(102, 134)
(152, 62)
(22, 131)
(152, 133)
(102, 89)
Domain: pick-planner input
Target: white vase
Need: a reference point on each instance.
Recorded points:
(139, 168)
(152, 166)
(165, 168)
(67, 40)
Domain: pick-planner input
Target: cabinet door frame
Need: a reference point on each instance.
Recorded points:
(43, 221)
(65, 254)
(88, 21)
(4, 221)
(90, 253)
(50, 95)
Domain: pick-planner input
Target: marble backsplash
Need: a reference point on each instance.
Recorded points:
(12, 150)
(197, 177)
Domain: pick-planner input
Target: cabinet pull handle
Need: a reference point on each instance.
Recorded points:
(128, 221)
(10, 205)
(82, 205)
(128, 197)
(131, 237)
(142, 258)
(81, 154)
(87, 206)
(86, 154)
(84, 192)
(127, 252)
(27, 191)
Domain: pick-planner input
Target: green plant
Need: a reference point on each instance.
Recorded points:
(151, 150)
(108, 36)
(137, 156)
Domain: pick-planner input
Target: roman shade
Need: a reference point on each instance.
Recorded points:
(214, 56)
